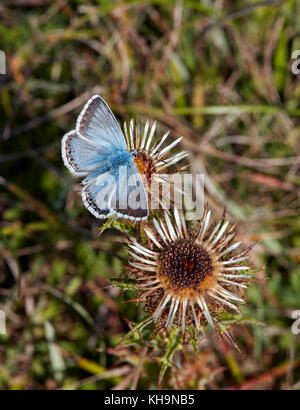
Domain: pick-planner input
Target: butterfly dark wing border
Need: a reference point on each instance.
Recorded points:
(92, 206)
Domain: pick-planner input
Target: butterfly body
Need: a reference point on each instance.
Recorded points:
(96, 150)
(114, 160)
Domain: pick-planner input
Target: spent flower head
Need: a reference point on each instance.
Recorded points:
(189, 276)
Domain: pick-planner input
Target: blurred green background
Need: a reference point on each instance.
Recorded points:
(217, 72)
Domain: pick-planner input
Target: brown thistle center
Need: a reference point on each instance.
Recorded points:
(145, 164)
(185, 264)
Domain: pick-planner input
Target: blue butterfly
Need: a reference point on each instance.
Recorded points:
(97, 151)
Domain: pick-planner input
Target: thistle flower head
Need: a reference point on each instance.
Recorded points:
(151, 158)
(187, 276)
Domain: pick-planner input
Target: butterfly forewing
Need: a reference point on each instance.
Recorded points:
(79, 156)
(97, 123)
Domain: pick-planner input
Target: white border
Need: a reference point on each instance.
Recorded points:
(83, 111)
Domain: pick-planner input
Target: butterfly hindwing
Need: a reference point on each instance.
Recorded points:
(129, 199)
(95, 195)
(120, 192)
